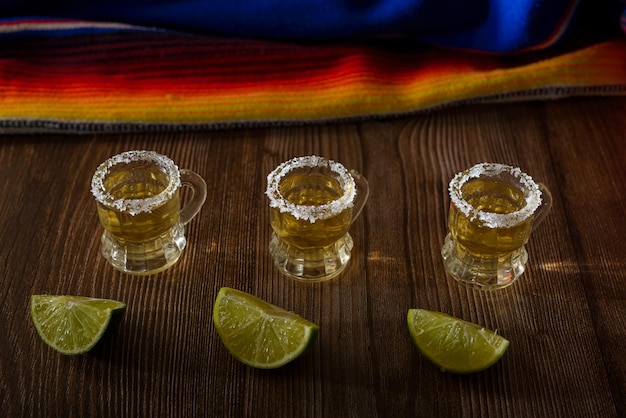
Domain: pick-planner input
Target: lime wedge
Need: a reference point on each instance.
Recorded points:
(258, 333)
(73, 324)
(452, 344)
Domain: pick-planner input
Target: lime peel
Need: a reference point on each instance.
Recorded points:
(73, 324)
(258, 333)
(454, 345)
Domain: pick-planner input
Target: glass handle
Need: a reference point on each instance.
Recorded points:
(546, 204)
(362, 193)
(198, 187)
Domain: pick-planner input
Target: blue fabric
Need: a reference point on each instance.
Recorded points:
(498, 26)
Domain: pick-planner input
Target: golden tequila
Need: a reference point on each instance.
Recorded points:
(139, 183)
(310, 190)
(493, 209)
(490, 196)
(138, 203)
(313, 202)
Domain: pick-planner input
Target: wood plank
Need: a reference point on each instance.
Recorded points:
(566, 316)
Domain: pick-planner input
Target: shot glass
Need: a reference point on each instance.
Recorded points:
(313, 202)
(138, 202)
(493, 210)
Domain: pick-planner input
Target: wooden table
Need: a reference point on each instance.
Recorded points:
(565, 318)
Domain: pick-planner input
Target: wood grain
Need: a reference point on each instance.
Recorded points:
(565, 318)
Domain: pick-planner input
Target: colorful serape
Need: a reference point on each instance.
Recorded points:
(65, 75)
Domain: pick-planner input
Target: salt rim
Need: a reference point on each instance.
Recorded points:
(309, 212)
(488, 219)
(135, 206)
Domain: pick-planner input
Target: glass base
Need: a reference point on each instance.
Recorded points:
(313, 264)
(484, 273)
(144, 258)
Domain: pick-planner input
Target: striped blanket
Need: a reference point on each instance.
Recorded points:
(72, 75)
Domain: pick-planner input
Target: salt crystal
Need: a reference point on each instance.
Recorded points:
(311, 213)
(135, 206)
(490, 219)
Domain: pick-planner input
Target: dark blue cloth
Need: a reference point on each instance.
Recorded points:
(498, 26)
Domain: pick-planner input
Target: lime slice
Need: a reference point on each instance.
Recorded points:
(453, 344)
(258, 333)
(73, 324)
